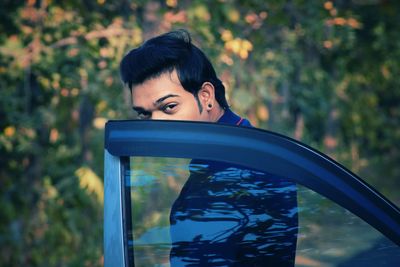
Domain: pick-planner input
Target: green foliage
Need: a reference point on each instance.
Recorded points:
(324, 73)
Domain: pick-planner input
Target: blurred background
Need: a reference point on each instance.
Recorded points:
(323, 72)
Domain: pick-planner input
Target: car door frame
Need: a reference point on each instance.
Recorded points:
(249, 147)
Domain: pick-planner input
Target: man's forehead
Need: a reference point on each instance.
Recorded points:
(155, 91)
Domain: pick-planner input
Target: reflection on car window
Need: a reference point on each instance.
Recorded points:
(206, 213)
(330, 235)
(226, 215)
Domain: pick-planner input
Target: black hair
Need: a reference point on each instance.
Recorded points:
(165, 53)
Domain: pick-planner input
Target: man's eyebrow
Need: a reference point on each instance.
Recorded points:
(139, 109)
(158, 101)
(161, 99)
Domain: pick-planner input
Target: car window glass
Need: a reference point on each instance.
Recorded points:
(183, 212)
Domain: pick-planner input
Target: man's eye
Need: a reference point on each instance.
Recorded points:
(143, 115)
(169, 108)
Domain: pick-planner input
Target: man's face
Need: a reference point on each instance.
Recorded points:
(164, 98)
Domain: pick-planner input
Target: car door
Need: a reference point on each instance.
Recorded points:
(202, 194)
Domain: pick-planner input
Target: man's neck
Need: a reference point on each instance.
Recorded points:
(216, 114)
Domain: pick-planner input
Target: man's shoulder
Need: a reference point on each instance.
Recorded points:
(229, 117)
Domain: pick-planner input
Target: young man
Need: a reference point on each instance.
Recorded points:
(171, 79)
(224, 215)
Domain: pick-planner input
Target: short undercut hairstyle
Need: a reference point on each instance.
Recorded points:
(166, 53)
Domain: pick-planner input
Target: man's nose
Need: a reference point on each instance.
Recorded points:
(159, 116)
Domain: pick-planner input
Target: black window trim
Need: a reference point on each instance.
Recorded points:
(258, 149)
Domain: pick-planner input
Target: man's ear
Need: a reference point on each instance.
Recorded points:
(206, 95)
